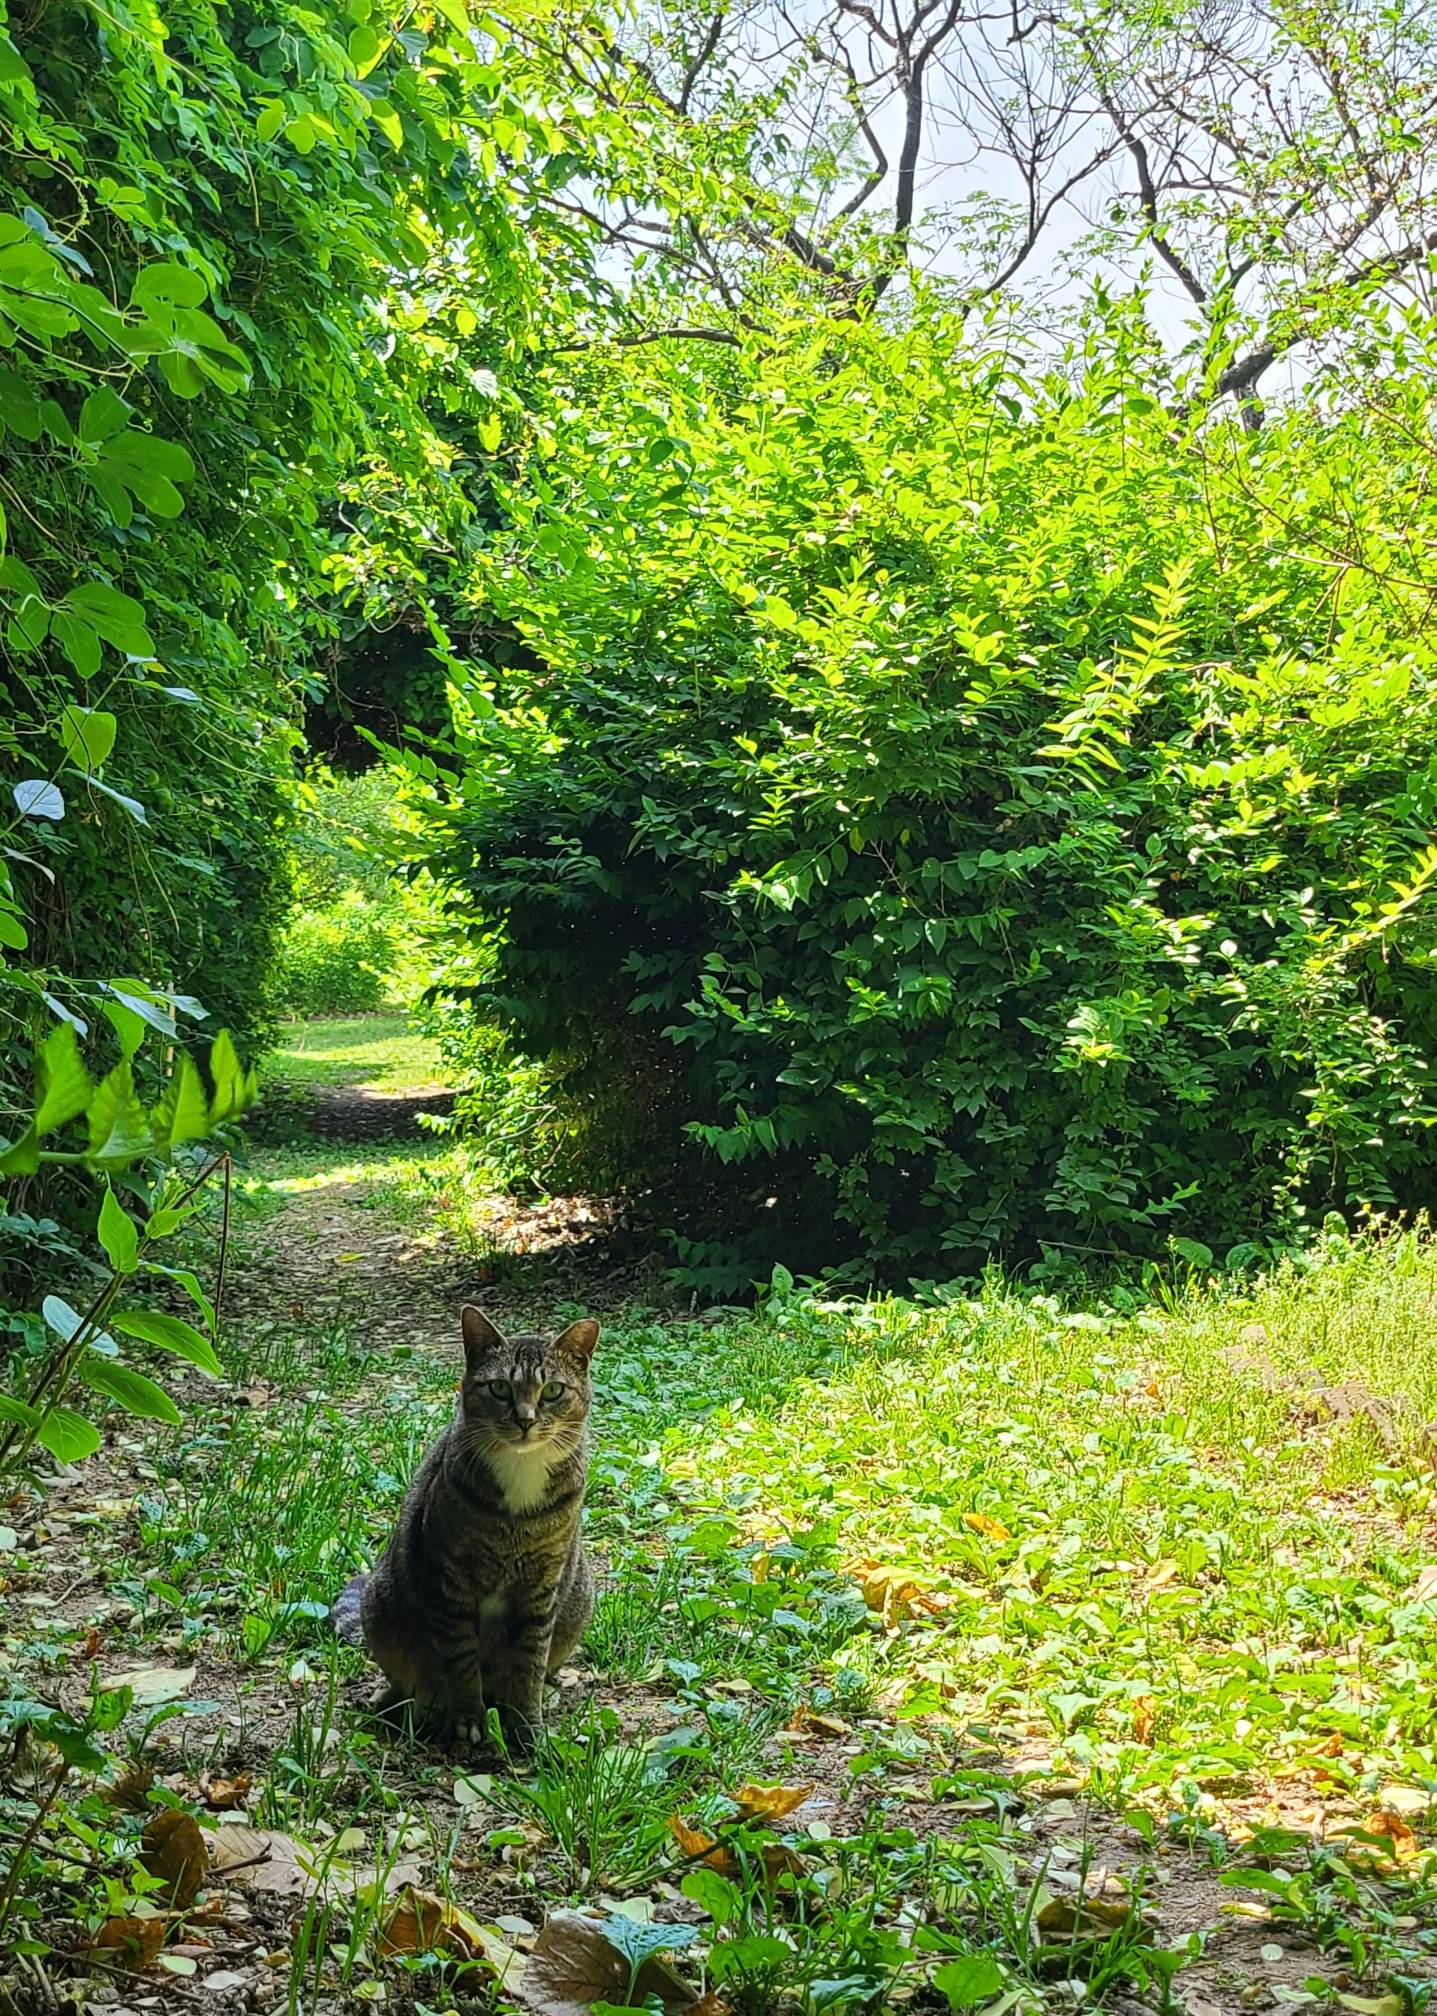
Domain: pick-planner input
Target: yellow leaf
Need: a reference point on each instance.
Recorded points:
(991, 1529)
(1090, 1918)
(1145, 1720)
(348, 1259)
(771, 1802)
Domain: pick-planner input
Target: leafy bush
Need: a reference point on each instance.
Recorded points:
(341, 960)
(995, 829)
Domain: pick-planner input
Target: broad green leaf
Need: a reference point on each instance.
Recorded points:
(134, 1392)
(18, 1411)
(64, 1087)
(169, 284)
(182, 1112)
(118, 618)
(104, 413)
(19, 408)
(191, 1285)
(68, 1436)
(228, 1079)
(119, 1126)
(82, 647)
(168, 1333)
(126, 1024)
(118, 1235)
(21, 1157)
(969, 1980)
(88, 733)
(638, 1943)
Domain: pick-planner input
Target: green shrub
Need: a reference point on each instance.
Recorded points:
(991, 808)
(341, 960)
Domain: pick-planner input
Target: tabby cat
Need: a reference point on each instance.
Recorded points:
(485, 1587)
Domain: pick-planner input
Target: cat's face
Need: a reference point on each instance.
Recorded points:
(525, 1392)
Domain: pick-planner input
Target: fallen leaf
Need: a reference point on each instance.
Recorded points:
(991, 1529)
(224, 1794)
(134, 1941)
(574, 1965)
(1088, 1918)
(1371, 2005)
(152, 1685)
(132, 1787)
(1386, 1826)
(1145, 1720)
(771, 1802)
(894, 1592)
(777, 1860)
(805, 1718)
(223, 1978)
(420, 1922)
(1424, 1589)
(173, 1848)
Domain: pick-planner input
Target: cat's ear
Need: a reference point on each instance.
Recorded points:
(480, 1336)
(579, 1339)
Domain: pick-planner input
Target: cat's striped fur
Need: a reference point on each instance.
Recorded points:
(485, 1588)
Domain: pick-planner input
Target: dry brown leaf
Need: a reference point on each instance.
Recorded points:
(894, 1592)
(991, 1529)
(777, 1860)
(173, 1848)
(224, 1794)
(771, 1802)
(1389, 1826)
(1424, 1589)
(133, 1941)
(132, 1788)
(710, 2005)
(420, 1922)
(1088, 1918)
(805, 1719)
(1145, 1720)
(573, 1966)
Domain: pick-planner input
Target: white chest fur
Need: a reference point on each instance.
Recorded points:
(522, 1476)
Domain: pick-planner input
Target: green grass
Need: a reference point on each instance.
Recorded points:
(1169, 1559)
(374, 1053)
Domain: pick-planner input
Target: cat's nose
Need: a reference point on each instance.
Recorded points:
(526, 1417)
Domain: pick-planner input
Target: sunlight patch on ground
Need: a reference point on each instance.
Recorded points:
(379, 1053)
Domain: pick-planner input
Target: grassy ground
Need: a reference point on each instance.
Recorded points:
(987, 1656)
(370, 1053)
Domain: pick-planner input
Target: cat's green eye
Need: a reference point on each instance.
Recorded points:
(554, 1390)
(501, 1389)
